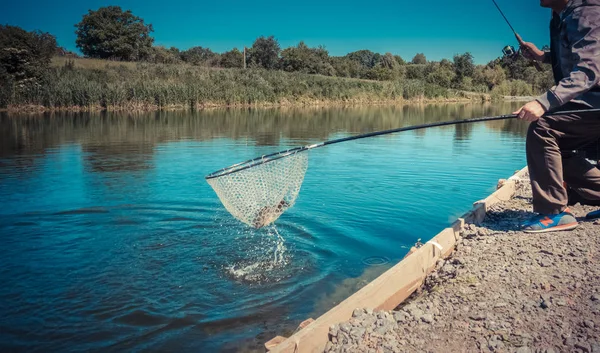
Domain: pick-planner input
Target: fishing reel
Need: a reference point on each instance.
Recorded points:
(510, 52)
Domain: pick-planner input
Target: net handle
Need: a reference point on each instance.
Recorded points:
(281, 154)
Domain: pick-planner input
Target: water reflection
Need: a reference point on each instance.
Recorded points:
(32, 134)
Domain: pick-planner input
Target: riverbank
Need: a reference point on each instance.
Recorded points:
(500, 291)
(298, 103)
(92, 85)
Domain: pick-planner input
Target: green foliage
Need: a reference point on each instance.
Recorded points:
(6, 88)
(200, 56)
(232, 59)
(307, 60)
(345, 67)
(162, 55)
(441, 74)
(160, 85)
(399, 60)
(416, 72)
(512, 88)
(366, 58)
(419, 59)
(264, 53)
(463, 66)
(25, 55)
(111, 33)
(490, 76)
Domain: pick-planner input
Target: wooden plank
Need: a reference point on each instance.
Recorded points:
(391, 288)
(384, 293)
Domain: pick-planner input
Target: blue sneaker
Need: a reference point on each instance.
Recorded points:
(593, 215)
(550, 223)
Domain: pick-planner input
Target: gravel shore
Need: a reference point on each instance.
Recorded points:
(502, 290)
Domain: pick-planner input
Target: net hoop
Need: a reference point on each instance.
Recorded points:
(255, 161)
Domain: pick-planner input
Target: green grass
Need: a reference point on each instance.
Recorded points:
(100, 84)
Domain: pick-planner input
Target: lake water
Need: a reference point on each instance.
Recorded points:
(113, 241)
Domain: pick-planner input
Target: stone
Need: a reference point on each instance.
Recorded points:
(427, 318)
(589, 324)
(595, 297)
(358, 313)
(478, 317)
(357, 333)
(401, 316)
(382, 330)
(333, 330)
(583, 347)
(345, 327)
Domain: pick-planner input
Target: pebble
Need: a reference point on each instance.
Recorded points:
(427, 318)
(488, 295)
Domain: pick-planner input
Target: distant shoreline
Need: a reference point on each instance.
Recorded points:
(287, 104)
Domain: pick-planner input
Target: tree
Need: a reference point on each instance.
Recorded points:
(388, 61)
(110, 32)
(419, 59)
(264, 53)
(492, 76)
(366, 58)
(441, 75)
(199, 56)
(399, 60)
(232, 59)
(25, 55)
(162, 55)
(308, 60)
(345, 67)
(464, 66)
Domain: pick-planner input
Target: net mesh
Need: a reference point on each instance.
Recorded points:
(258, 195)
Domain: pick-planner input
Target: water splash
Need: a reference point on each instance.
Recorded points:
(266, 262)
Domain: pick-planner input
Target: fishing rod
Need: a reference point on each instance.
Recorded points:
(509, 50)
(281, 154)
(259, 190)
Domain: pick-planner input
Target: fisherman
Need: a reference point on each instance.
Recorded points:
(575, 58)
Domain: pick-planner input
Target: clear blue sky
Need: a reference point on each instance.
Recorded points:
(438, 28)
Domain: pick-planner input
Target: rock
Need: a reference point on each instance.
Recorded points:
(478, 317)
(544, 304)
(358, 313)
(500, 305)
(345, 327)
(583, 346)
(333, 330)
(595, 297)
(381, 330)
(524, 349)
(427, 318)
(595, 347)
(357, 333)
(560, 302)
(401, 316)
(589, 324)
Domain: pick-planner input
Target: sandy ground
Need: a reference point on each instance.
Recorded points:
(501, 291)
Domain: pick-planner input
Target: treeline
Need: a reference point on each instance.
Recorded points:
(113, 34)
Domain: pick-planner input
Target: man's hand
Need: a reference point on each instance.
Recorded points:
(531, 111)
(530, 51)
